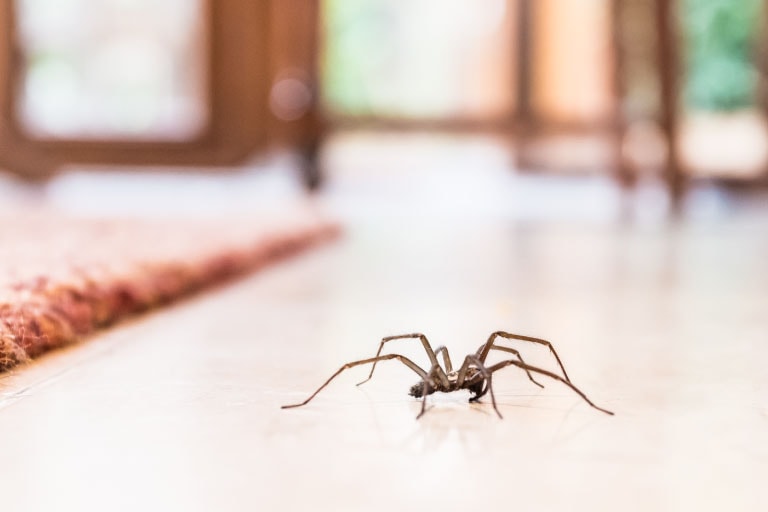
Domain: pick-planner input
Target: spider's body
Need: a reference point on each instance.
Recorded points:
(473, 375)
(474, 383)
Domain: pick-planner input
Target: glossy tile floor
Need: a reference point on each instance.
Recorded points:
(664, 323)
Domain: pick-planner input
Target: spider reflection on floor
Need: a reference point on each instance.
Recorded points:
(473, 375)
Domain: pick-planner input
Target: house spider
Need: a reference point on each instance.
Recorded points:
(473, 375)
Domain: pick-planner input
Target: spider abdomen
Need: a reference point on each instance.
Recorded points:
(417, 390)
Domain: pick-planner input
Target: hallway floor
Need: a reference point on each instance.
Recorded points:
(664, 323)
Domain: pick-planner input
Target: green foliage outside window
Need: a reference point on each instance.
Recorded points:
(720, 37)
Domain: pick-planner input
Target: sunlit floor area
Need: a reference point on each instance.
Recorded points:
(663, 322)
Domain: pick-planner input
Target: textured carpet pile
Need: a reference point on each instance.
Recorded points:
(62, 278)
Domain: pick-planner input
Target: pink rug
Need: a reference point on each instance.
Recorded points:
(62, 278)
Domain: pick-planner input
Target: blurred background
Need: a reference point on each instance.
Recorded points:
(623, 94)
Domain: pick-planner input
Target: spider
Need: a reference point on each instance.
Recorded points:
(473, 375)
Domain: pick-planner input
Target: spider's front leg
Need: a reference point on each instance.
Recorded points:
(482, 352)
(515, 353)
(475, 382)
(526, 367)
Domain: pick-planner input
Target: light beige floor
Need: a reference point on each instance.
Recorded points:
(667, 325)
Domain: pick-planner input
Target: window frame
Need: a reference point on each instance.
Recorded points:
(236, 36)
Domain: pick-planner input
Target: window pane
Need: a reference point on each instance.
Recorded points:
(419, 58)
(720, 41)
(572, 60)
(112, 69)
(723, 132)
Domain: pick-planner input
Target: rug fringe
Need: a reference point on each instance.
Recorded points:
(45, 313)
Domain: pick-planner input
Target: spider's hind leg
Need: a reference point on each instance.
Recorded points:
(407, 362)
(427, 348)
(426, 388)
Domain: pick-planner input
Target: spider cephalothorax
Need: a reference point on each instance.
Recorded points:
(478, 389)
(473, 375)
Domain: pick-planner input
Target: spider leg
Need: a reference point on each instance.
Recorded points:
(427, 347)
(427, 390)
(485, 373)
(508, 362)
(482, 352)
(407, 362)
(446, 358)
(517, 354)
